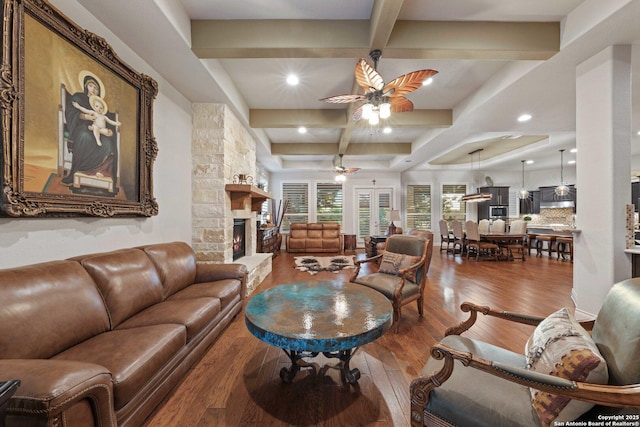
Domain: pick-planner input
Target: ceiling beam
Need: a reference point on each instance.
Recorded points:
(331, 118)
(329, 149)
(383, 19)
(351, 39)
(293, 118)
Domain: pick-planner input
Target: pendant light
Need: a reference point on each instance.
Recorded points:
(561, 190)
(523, 194)
(478, 196)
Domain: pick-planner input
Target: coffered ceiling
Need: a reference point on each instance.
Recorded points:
(496, 59)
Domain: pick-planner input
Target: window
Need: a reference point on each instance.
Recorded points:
(297, 197)
(452, 205)
(418, 205)
(329, 203)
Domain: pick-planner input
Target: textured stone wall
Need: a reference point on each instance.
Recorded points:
(221, 148)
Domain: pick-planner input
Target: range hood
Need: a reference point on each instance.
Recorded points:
(549, 199)
(558, 204)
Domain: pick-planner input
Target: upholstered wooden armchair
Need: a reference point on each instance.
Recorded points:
(402, 271)
(565, 373)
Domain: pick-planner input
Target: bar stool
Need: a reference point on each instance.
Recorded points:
(564, 246)
(540, 239)
(531, 241)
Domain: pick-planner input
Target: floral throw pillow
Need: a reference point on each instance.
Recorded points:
(392, 263)
(560, 346)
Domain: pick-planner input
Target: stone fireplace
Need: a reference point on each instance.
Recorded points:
(221, 148)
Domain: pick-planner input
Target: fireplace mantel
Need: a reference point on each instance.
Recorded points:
(245, 196)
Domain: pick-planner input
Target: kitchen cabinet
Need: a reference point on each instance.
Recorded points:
(635, 194)
(535, 202)
(500, 195)
(530, 205)
(483, 210)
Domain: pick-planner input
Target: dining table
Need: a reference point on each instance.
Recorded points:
(502, 240)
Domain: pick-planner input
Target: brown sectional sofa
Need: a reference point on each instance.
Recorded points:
(315, 237)
(101, 339)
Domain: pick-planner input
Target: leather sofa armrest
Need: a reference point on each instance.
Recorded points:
(213, 272)
(50, 387)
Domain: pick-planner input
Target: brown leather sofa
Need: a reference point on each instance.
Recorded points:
(315, 237)
(101, 339)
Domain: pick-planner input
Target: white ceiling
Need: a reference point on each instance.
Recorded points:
(485, 96)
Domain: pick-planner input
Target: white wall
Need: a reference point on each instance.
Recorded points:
(25, 241)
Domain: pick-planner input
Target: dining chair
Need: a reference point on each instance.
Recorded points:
(498, 226)
(445, 235)
(479, 246)
(517, 245)
(484, 226)
(458, 236)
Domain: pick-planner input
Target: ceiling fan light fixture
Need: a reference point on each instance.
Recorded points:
(341, 177)
(374, 119)
(367, 111)
(385, 110)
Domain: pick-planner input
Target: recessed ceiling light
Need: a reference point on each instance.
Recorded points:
(302, 129)
(427, 82)
(292, 79)
(530, 162)
(574, 150)
(571, 162)
(524, 118)
(387, 129)
(638, 133)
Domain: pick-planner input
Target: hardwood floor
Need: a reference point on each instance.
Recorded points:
(237, 382)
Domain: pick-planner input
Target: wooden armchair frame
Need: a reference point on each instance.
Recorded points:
(627, 396)
(399, 299)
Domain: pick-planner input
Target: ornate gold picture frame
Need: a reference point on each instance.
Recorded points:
(76, 122)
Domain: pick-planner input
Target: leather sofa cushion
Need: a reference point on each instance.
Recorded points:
(47, 308)
(128, 282)
(296, 233)
(176, 264)
(133, 356)
(329, 243)
(226, 290)
(195, 314)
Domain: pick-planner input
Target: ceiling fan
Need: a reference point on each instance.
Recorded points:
(381, 99)
(342, 172)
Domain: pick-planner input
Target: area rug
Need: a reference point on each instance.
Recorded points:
(315, 264)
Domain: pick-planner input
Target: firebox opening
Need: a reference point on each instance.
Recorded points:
(238, 238)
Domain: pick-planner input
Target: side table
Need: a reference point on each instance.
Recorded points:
(374, 243)
(349, 242)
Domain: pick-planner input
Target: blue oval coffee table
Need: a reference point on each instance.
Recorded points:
(328, 317)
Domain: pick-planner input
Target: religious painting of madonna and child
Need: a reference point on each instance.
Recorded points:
(76, 134)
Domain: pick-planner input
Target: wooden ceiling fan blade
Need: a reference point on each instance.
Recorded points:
(400, 104)
(350, 171)
(357, 114)
(367, 77)
(407, 83)
(343, 99)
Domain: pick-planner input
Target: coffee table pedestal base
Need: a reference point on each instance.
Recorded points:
(350, 375)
